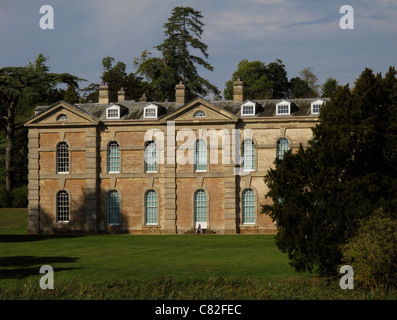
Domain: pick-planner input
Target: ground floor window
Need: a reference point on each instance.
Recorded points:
(63, 207)
(200, 208)
(113, 207)
(249, 206)
(151, 207)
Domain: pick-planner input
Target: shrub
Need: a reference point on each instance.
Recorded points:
(20, 197)
(5, 198)
(17, 198)
(372, 252)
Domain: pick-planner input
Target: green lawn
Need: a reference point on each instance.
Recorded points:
(116, 266)
(113, 257)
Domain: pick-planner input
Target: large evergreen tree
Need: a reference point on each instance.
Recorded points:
(20, 89)
(347, 172)
(179, 61)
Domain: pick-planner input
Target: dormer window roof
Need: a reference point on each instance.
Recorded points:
(283, 108)
(113, 112)
(248, 108)
(150, 111)
(316, 106)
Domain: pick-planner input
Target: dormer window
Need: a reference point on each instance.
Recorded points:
(62, 117)
(283, 108)
(113, 112)
(316, 106)
(150, 111)
(199, 114)
(248, 109)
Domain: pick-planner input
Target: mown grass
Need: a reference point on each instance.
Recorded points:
(154, 267)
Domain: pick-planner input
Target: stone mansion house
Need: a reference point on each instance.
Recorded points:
(160, 167)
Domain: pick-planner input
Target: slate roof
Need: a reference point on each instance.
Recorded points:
(133, 110)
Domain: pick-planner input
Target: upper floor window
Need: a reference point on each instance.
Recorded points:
(199, 114)
(200, 156)
(282, 147)
(63, 157)
(113, 112)
(63, 206)
(62, 117)
(248, 109)
(113, 157)
(316, 106)
(151, 157)
(283, 108)
(248, 155)
(150, 111)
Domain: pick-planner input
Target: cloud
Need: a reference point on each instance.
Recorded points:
(324, 20)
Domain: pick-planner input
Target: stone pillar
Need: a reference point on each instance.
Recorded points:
(231, 196)
(92, 163)
(239, 92)
(33, 185)
(170, 217)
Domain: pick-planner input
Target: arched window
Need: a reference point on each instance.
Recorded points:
(113, 207)
(62, 117)
(63, 207)
(200, 156)
(113, 157)
(200, 208)
(151, 207)
(248, 155)
(282, 147)
(199, 114)
(151, 157)
(62, 157)
(248, 206)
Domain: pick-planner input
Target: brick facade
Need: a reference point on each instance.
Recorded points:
(87, 181)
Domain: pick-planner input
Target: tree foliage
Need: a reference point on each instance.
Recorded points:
(307, 75)
(21, 88)
(182, 51)
(271, 82)
(347, 172)
(329, 87)
(372, 251)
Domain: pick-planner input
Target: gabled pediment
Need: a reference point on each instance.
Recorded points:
(200, 109)
(61, 113)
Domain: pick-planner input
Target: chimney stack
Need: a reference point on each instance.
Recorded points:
(104, 94)
(239, 92)
(180, 93)
(144, 98)
(121, 95)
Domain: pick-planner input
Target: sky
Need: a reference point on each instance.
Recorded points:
(301, 34)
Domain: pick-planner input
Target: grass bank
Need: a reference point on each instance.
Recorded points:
(154, 267)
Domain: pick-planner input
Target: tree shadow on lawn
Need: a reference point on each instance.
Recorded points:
(31, 238)
(18, 267)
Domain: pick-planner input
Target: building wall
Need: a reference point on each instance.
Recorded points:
(88, 181)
